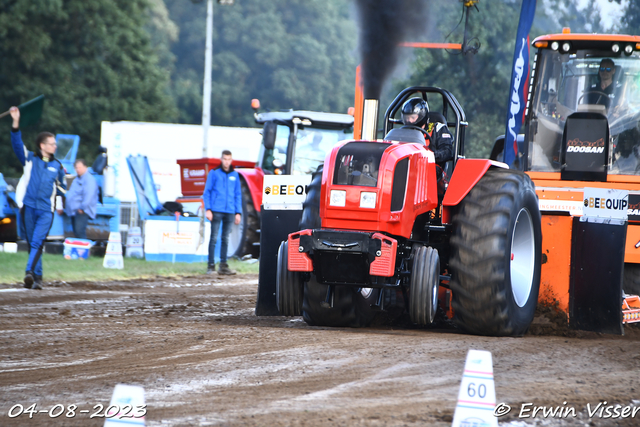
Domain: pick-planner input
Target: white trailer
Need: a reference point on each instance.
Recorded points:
(165, 143)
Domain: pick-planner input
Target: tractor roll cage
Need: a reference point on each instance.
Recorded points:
(449, 103)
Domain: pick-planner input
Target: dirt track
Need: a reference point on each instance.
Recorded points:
(204, 359)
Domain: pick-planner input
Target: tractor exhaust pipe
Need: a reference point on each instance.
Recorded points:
(370, 120)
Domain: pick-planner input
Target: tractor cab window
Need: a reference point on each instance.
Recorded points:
(358, 163)
(312, 146)
(586, 81)
(274, 159)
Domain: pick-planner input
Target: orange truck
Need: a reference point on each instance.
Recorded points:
(581, 148)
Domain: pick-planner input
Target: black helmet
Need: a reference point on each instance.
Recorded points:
(415, 112)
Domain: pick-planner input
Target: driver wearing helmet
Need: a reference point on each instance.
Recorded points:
(415, 113)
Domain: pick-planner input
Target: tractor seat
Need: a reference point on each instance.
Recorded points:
(405, 135)
(435, 117)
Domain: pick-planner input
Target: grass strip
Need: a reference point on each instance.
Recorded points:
(55, 267)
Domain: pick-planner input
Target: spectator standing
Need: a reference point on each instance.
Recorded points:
(82, 199)
(42, 180)
(223, 204)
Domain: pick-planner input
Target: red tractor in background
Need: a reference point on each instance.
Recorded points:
(375, 233)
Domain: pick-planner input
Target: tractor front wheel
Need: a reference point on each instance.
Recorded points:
(425, 281)
(495, 255)
(244, 235)
(288, 285)
(311, 206)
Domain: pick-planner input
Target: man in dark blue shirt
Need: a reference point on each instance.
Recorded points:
(41, 182)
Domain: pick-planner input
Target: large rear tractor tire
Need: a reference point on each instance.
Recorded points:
(495, 255)
(244, 235)
(352, 307)
(311, 206)
(631, 280)
(425, 282)
(288, 285)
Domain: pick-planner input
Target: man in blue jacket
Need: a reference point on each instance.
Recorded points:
(223, 204)
(42, 180)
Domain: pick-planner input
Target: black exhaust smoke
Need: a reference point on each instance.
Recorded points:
(384, 24)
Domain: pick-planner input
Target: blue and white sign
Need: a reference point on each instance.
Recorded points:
(519, 81)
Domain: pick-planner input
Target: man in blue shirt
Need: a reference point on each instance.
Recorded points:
(223, 204)
(41, 182)
(82, 199)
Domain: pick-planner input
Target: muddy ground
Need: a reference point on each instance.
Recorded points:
(205, 359)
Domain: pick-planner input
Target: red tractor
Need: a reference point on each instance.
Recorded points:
(377, 233)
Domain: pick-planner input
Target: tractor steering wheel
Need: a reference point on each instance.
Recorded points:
(600, 96)
(426, 134)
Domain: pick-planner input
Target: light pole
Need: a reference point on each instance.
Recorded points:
(206, 91)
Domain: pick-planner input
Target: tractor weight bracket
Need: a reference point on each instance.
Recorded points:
(340, 245)
(325, 240)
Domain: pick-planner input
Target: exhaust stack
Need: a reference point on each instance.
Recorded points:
(370, 119)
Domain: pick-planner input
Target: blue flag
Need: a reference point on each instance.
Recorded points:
(519, 81)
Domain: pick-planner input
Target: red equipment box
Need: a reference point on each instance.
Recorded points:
(193, 173)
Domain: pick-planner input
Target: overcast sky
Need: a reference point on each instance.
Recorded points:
(611, 11)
